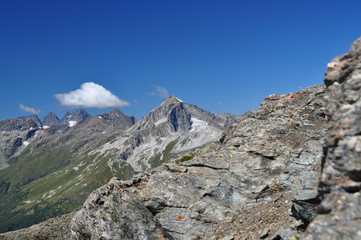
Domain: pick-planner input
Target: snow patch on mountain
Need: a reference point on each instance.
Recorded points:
(72, 123)
(198, 125)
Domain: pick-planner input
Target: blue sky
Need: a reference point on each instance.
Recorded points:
(223, 56)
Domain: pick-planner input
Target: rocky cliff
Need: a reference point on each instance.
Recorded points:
(340, 211)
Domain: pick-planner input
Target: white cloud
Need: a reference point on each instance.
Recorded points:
(159, 91)
(29, 109)
(90, 95)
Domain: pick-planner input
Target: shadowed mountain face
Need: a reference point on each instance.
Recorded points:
(52, 167)
(50, 120)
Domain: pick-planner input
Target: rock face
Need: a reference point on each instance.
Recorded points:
(268, 164)
(340, 210)
(15, 135)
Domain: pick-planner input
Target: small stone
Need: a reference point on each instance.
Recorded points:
(264, 233)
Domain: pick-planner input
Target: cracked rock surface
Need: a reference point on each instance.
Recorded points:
(340, 210)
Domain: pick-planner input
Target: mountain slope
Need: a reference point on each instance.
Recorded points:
(54, 173)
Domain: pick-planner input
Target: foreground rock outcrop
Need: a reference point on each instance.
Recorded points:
(340, 210)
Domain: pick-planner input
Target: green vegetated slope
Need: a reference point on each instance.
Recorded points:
(55, 173)
(54, 181)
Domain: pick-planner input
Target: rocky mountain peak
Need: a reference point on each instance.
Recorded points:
(73, 118)
(50, 120)
(170, 111)
(171, 99)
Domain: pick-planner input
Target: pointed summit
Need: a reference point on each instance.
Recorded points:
(170, 111)
(171, 99)
(50, 120)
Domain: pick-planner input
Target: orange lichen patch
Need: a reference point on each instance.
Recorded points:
(314, 188)
(160, 236)
(310, 114)
(297, 179)
(313, 154)
(180, 218)
(292, 97)
(100, 236)
(314, 124)
(177, 172)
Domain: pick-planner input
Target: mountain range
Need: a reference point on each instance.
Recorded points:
(49, 166)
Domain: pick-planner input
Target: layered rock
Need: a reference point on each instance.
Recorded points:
(340, 211)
